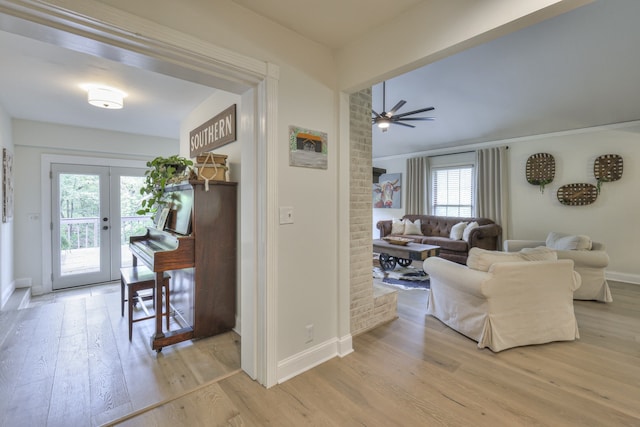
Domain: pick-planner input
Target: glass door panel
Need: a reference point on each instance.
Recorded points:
(80, 225)
(125, 188)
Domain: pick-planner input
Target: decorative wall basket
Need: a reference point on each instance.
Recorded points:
(540, 169)
(607, 168)
(579, 194)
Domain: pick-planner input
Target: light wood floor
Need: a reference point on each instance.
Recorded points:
(67, 361)
(415, 371)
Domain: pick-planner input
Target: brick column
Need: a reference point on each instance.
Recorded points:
(367, 310)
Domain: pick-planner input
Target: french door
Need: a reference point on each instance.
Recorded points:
(93, 215)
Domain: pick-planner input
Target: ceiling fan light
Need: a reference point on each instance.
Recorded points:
(383, 124)
(104, 97)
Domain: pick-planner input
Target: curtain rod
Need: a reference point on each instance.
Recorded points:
(458, 152)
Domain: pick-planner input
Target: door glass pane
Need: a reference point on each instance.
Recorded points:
(79, 223)
(131, 224)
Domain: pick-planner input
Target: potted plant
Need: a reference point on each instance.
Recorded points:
(162, 171)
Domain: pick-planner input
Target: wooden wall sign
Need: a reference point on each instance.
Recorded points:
(579, 194)
(215, 133)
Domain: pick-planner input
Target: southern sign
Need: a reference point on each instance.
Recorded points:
(215, 133)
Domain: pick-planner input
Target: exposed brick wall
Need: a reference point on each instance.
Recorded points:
(367, 311)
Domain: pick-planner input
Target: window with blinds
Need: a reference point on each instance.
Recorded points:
(452, 191)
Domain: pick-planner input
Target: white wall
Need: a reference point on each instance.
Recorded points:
(31, 140)
(7, 284)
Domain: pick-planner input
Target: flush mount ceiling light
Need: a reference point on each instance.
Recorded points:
(105, 96)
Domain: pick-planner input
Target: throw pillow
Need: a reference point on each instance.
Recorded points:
(467, 230)
(397, 226)
(568, 242)
(540, 253)
(457, 230)
(482, 259)
(412, 227)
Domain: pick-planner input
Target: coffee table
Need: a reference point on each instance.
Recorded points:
(392, 254)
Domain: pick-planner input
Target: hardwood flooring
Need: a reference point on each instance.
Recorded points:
(70, 362)
(413, 371)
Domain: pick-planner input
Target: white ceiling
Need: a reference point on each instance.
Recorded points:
(572, 71)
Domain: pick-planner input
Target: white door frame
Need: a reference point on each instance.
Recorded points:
(117, 35)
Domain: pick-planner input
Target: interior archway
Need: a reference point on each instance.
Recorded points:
(189, 59)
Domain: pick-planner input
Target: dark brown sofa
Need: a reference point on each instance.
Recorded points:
(437, 229)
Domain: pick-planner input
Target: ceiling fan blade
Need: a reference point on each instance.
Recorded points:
(402, 124)
(377, 114)
(396, 107)
(422, 110)
(404, 119)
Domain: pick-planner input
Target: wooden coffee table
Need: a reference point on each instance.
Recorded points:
(392, 254)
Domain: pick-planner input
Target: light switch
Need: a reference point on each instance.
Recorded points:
(286, 215)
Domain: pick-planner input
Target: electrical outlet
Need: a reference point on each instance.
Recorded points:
(309, 333)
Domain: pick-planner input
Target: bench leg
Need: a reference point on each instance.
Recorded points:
(166, 300)
(130, 304)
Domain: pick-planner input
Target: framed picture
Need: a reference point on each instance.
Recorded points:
(7, 185)
(307, 148)
(387, 192)
(162, 218)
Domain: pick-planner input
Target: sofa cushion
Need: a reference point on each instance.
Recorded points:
(482, 259)
(457, 230)
(397, 226)
(467, 230)
(412, 227)
(568, 242)
(446, 243)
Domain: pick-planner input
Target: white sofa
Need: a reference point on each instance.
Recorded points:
(590, 260)
(514, 303)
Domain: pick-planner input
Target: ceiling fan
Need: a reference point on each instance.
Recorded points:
(384, 119)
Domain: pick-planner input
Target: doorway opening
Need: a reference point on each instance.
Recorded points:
(94, 213)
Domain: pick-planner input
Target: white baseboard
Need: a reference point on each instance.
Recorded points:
(24, 283)
(314, 356)
(345, 346)
(6, 294)
(623, 277)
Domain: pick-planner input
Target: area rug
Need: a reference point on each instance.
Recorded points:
(403, 277)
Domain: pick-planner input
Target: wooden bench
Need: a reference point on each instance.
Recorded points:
(137, 279)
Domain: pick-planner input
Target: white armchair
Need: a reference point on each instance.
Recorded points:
(512, 304)
(591, 265)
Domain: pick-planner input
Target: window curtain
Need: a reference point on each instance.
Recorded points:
(417, 178)
(492, 187)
